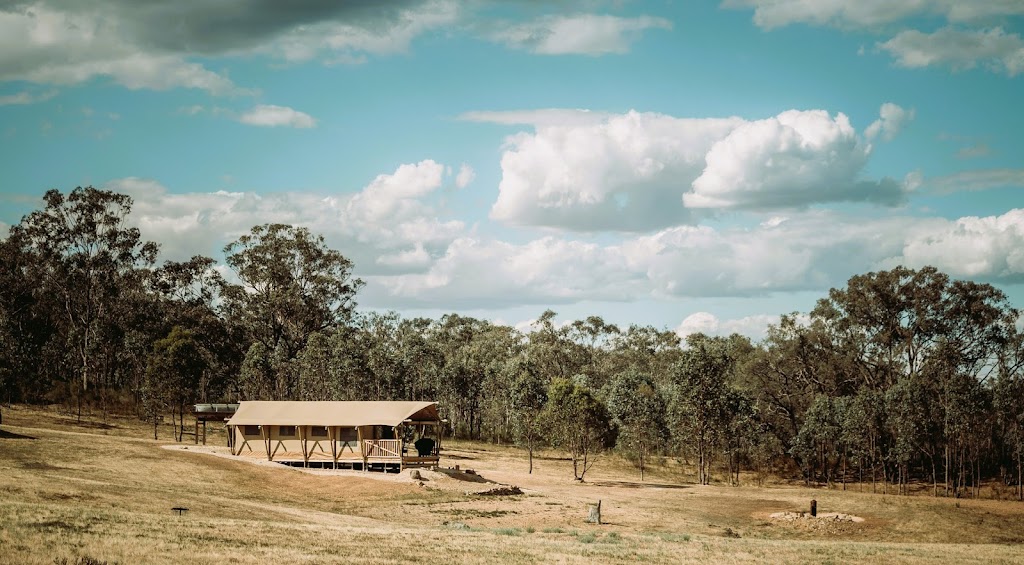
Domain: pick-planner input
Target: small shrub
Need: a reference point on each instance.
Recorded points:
(587, 538)
(553, 531)
(508, 531)
(530, 529)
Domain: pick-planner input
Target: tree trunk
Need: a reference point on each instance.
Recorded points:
(1020, 486)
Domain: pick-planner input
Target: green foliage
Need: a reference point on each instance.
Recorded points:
(639, 411)
(700, 403)
(292, 285)
(577, 422)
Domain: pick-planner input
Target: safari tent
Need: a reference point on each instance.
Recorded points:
(363, 435)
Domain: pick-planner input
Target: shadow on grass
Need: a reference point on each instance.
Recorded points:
(4, 434)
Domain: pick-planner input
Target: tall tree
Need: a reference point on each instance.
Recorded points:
(638, 409)
(174, 371)
(701, 399)
(292, 285)
(88, 261)
(578, 422)
(527, 394)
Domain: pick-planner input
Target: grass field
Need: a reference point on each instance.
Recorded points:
(73, 491)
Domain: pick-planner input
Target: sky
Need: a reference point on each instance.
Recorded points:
(695, 166)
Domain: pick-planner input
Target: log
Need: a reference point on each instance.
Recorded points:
(594, 514)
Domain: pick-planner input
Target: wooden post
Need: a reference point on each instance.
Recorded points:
(814, 508)
(334, 445)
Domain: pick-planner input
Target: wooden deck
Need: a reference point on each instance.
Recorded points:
(381, 453)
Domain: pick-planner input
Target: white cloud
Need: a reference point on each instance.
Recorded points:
(891, 120)
(958, 49)
(346, 43)
(991, 247)
(465, 176)
(954, 47)
(26, 97)
(580, 34)
(812, 251)
(45, 46)
(793, 159)
(770, 14)
(386, 227)
(755, 327)
(273, 116)
(640, 171)
(475, 272)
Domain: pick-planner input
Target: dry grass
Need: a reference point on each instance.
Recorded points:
(106, 492)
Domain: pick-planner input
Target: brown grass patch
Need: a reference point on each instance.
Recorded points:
(106, 493)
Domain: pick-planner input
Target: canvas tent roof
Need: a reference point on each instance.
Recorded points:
(331, 413)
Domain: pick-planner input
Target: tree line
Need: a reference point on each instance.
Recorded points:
(901, 377)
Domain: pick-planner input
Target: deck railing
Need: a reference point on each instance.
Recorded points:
(391, 448)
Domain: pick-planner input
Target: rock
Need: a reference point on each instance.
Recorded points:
(415, 475)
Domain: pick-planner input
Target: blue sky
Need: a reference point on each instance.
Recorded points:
(698, 166)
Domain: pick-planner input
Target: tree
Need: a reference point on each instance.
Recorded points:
(87, 261)
(577, 422)
(292, 285)
(174, 371)
(639, 412)
(700, 399)
(527, 398)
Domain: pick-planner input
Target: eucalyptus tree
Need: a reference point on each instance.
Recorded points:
(639, 411)
(175, 368)
(290, 286)
(87, 260)
(188, 295)
(528, 395)
(699, 408)
(578, 422)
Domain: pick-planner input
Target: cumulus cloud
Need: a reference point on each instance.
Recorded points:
(891, 120)
(274, 116)
(793, 159)
(641, 171)
(755, 327)
(958, 49)
(579, 34)
(812, 251)
(390, 226)
(987, 248)
(478, 272)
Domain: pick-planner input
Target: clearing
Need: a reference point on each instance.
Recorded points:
(106, 490)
